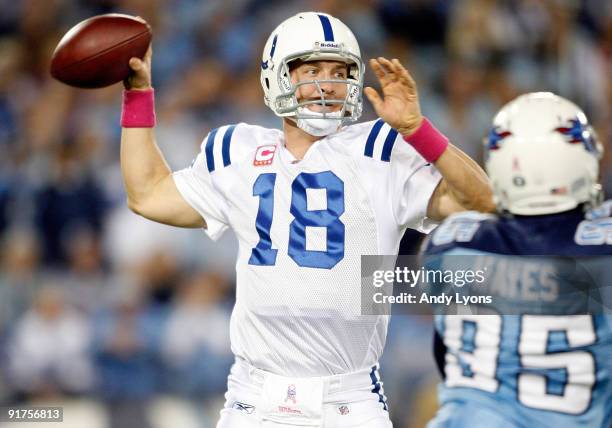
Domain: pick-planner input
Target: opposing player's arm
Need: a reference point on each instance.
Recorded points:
(464, 185)
(151, 191)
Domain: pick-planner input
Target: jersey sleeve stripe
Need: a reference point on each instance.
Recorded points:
(227, 138)
(369, 147)
(388, 145)
(210, 143)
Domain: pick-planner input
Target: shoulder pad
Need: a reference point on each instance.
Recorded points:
(231, 143)
(459, 227)
(602, 211)
(374, 139)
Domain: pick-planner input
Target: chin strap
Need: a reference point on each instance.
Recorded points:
(318, 127)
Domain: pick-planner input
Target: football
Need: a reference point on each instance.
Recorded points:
(95, 52)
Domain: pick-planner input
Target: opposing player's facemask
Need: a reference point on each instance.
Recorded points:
(542, 156)
(312, 36)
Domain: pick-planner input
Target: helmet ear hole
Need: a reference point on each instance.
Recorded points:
(267, 83)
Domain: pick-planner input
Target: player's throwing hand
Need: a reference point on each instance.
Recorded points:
(399, 106)
(140, 74)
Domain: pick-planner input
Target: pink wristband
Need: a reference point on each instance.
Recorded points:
(428, 141)
(138, 109)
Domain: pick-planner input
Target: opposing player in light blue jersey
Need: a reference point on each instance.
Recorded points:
(305, 203)
(545, 360)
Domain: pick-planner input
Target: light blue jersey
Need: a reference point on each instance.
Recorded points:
(530, 369)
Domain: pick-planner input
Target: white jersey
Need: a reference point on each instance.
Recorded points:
(302, 227)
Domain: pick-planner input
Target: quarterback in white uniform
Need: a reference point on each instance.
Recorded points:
(305, 203)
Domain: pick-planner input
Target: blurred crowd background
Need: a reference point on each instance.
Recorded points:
(125, 322)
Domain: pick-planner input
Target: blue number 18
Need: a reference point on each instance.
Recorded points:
(264, 255)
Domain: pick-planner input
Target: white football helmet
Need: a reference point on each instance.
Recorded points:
(311, 36)
(542, 156)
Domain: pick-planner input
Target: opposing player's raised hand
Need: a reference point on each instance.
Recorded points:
(399, 105)
(140, 76)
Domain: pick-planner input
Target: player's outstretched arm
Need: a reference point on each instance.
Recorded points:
(465, 185)
(149, 185)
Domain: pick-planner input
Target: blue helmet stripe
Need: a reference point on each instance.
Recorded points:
(327, 28)
(210, 142)
(225, 149)
(388, 146)
(273, 46)
(369, 147)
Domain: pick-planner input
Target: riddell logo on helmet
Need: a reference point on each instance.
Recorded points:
(264, 155)
(327, 45)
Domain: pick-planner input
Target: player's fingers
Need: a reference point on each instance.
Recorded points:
(404, 74)
(378, 69)
(149, 54)
(374, 98)
(386, 64)
(389, 68)
(398, 68)
(136, 64)
(381, 73)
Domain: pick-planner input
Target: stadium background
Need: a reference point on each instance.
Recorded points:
(125, 322)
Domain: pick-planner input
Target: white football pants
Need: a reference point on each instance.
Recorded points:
(259, 399)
